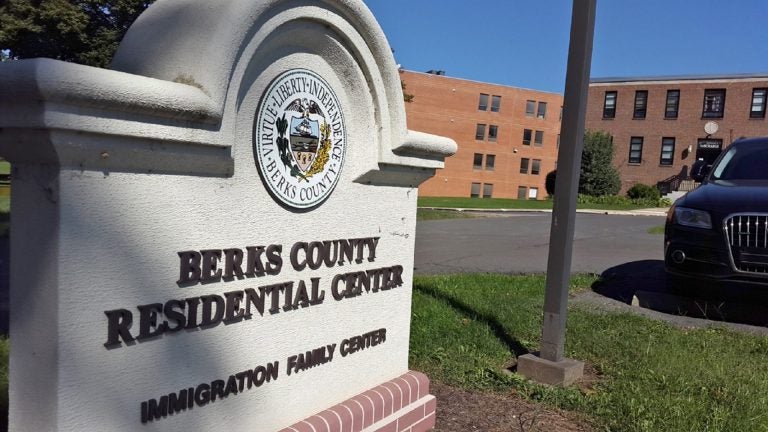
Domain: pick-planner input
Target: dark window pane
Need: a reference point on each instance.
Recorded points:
(522, 192)
(536, 167)
(495, 103)
(758, 103)
(524, 165)
(542, 111)
(490, 162)
(487, 190)
(609, 106)
(667, 151)
(475, 192)
(641, 104)
(527, 136)
(483, 105)
(493, 132)
(480, 132)
(477, 163)
(673, 103)
(529, 107)
(636, 150)
(714, 103)
(538, 139)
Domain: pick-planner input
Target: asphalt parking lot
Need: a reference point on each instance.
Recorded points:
(618, 248)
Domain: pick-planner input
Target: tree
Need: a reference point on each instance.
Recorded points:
(80, 31)
(549, 182)
(598, 176)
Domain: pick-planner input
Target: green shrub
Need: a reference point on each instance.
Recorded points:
(549, 182)
(598, 176)
(643, 191)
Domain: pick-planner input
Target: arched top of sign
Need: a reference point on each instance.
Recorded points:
(299, 139)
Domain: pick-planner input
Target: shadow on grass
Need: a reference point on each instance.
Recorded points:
(646, 284)
(498, 330)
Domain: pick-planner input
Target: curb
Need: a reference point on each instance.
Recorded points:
(639, 212)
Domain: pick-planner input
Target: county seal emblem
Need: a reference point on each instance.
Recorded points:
(299, 139)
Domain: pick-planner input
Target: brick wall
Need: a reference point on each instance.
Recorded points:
(400, 405)
(449, 107)
(687, 129)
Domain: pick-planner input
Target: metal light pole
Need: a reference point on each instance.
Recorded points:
(551, 366)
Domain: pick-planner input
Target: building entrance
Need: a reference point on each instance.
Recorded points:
(709, 149)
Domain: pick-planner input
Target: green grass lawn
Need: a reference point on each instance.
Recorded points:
(654, 377)
(502, 203)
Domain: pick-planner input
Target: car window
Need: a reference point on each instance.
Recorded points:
(743, 163)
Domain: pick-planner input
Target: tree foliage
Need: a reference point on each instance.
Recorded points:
(407, 97)
(598, 176)
(80, 31)
(549, 182)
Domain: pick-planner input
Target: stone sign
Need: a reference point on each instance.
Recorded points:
(218, 233)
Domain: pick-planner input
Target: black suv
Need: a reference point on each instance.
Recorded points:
(719, 231)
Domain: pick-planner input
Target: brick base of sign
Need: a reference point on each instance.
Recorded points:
(400, 405)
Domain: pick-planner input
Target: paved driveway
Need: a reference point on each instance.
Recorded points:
(519, 243)
(617, 247)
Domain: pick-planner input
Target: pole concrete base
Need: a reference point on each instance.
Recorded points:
(562, 373)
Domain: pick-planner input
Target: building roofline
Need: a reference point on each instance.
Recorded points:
(707, 77)
(483, 82)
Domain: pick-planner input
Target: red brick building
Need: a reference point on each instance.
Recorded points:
(661, 125)
(507, 137)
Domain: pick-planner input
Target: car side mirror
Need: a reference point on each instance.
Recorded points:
(699, 170)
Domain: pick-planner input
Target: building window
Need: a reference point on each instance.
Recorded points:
(480, 132)
(673, 103)
(541, 112)
(609, 106)
(641, 104)
(527, 136)
(475, 191)
(714, 103)
(758, 103)
(561, 114)
(538, 139)
(667, 151)
(495, 103)
(522, 192)
(477, 162)
(483, 105)
(636, 150)
(536, 167)
(557, 146)
(490, 162)
(524, 165)
(493, 132)
(533, 193)
(530, 106)
(487, 190)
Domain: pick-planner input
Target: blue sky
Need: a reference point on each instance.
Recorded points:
(524, 43)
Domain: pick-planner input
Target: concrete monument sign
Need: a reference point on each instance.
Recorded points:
(217, 233)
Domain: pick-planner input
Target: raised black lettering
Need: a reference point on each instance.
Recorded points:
(118, 324)
(148, 318)
(209, 317)
(189, 267)
(210, 262)
(177, 316)
(233, 312)
(233, 261)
